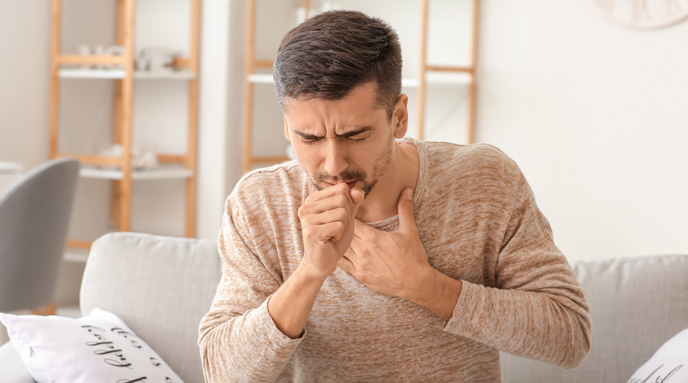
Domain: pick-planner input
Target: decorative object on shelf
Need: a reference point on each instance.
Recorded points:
(156, 60)
(10, 167)
(101, 50)
(643, 14)
(140, 160)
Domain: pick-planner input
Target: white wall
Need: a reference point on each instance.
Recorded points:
(596, 116)
(25, 81)
(24, 85)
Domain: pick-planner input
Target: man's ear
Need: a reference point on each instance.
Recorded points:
(400, 116)
(286, 129)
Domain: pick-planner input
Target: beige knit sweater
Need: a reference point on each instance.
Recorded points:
(478, 222)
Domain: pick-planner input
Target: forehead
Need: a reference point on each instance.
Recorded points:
(359, 107)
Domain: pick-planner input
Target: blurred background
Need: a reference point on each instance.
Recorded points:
(591, 103)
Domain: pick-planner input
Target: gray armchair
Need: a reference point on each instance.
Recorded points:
(34, 217)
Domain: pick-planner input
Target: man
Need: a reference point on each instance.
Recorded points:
(375, 258)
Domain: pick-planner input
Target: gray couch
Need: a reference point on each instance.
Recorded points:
(162, 286)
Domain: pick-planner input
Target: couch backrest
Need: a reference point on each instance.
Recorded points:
(160, 286)
(636, 305)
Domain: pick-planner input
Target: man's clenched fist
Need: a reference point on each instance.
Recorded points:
(327, 219)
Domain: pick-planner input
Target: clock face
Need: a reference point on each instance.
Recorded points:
(643, 13)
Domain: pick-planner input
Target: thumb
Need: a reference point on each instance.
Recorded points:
(357, 196)
(405, 208)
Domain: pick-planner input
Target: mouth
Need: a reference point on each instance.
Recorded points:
(350, 184)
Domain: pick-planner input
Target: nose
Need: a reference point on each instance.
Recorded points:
(335, 158)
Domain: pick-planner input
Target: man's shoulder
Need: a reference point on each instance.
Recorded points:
(469, 160)
(280, 173)
(271, 184)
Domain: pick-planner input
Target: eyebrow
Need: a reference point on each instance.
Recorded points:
(345, 135)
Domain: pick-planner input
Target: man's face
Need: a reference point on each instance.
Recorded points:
(350, 140)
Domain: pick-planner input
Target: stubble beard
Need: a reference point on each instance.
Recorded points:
(380, 166)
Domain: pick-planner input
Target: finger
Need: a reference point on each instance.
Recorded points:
(405, 208)
(346, 264)
(354, 250)
(329, 203)
(329, 231)
(336, 248)
(362, 229)
(338, 214)
(342, 189)
(357, 196)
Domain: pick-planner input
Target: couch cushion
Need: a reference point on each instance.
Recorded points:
(99, 347)
(636, 304)
(669, 363)
(12, 368)
(160, 286)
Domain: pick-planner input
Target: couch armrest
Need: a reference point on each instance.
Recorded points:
(12, 368)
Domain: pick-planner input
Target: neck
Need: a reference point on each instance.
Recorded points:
(402, 173)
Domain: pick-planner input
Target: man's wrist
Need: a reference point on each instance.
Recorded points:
(291, 305)
(435, 291)
(311, 272)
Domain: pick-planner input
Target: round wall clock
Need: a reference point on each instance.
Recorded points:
(643, 13)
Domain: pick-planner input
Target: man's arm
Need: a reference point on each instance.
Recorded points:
(254, 324)
(327, 218)
(538, 310)
(395, 264)
(238, 339)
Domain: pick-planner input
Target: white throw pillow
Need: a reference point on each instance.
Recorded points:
(668, 365)
(92, 349)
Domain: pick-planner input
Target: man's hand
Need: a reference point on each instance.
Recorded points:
(396, 264)
(327, 221)
(388, 262)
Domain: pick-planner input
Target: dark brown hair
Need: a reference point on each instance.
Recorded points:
(328, 55)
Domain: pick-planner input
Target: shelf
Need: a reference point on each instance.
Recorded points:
(10, 167)
(120, 74)
(439, 79)
(161, 172)
(76, 255)
(68, 311)
(434, 78)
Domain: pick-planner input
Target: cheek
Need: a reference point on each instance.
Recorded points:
(306, 156)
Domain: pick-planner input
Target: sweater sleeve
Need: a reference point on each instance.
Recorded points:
(238, 340)
(537, 309)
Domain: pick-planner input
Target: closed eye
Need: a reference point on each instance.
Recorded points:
(308, 138)
(310, 141)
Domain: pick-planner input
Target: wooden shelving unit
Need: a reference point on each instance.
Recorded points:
(428, 74)
(119, 169)
(426, 69)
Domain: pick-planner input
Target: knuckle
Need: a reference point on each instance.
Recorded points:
(341, 198)
(341, 213)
